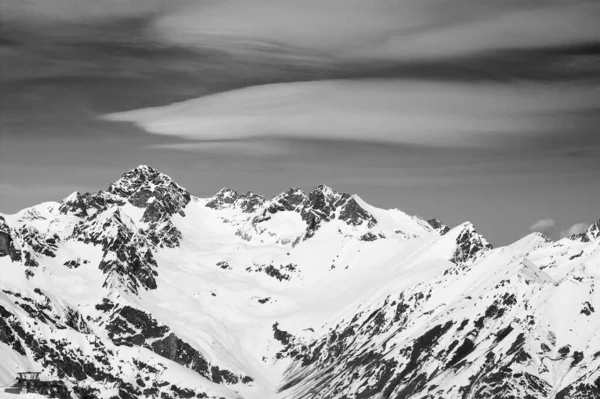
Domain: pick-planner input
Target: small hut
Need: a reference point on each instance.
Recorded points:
(29, 381)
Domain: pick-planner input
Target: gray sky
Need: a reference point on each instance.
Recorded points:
(485, 112)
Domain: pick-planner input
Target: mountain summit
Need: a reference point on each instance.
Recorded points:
(144, 290)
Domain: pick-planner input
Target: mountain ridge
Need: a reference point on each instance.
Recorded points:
(144, 290)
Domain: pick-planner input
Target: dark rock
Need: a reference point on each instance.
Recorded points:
(469, 245)
(74, 204)
(100, 201)
(173, 348)
(564, 351)
(323, 204)
(291, 200)
(224, 265)
(147, 188)
(127, 257)
(577, 358)
(282, 336)
(228, 198)
(587, 309)
(463, 351)
(368, 237)
(72, 264)
(132, 327)
(438, 226)
(7, 247)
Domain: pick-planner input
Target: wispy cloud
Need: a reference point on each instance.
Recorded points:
(390, 29)
(423, 113)
(543, 226)
(69, 11)
(241, 147)
(384, 28)
(577, 228)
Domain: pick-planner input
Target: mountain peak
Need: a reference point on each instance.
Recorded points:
(325, 190)
(145, 187)
(592, 233)
(469, 243)
(74, 205)
(229, 198)
(143, 175)
(325, 204)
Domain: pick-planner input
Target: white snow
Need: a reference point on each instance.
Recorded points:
(335, 275)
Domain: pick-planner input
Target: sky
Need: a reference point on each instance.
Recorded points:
(484, 111)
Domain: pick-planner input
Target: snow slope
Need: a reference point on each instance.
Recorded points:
(144, 290)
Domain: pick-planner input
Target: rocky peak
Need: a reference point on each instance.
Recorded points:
(438, 226)
(73, 205)
(323, 204)
(291, 200)
(469, 243)
(326, 191)
(326, 204)
(593, 232)
(145, 187)
(228, 198)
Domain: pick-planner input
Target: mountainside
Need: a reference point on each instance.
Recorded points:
(144, 290)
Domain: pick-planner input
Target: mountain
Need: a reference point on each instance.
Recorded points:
(144, 290)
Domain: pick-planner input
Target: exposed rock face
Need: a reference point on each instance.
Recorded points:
(5, 243)
(132, 327)
(291, 200)
(412, 314)
(320, 206)
(100, 201)
(33, 241)
(592, 233)
(229, 198)
(7, 246)
(147, 188)
(438, 226)
(163, 233)
(73, 205)
(87, 363)
(325, 204)
(470, 244)
(33, 247)
(127, 257)
(494, 351)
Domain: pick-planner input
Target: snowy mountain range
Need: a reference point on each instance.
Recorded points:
(145, 291)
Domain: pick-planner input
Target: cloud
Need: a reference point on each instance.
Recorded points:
(546, 25)
(390, 29)
(399, 111)
(577, 228)
(259, 148)
(383, 28)
(76, 11)
(543, 225)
